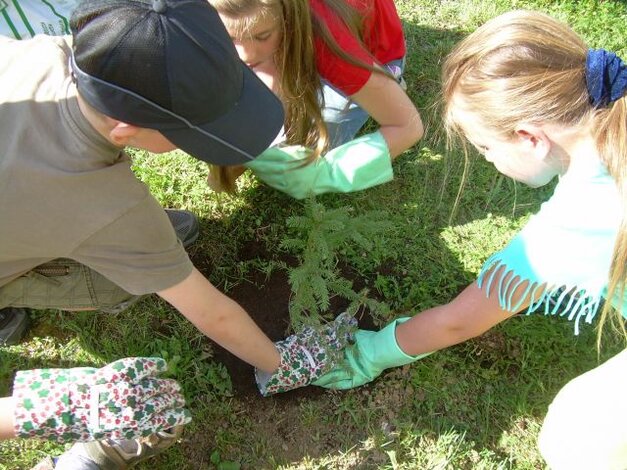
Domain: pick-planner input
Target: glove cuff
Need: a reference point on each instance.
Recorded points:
(288, 376)
(359, 164)
(42, 406)
(391, 353)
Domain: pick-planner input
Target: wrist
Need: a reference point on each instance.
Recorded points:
(275, 362)
(386, 351)
(402, 348)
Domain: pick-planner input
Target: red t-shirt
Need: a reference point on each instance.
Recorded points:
(384, 41)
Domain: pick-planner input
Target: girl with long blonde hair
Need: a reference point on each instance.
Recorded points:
(334, 63)
(529, 95)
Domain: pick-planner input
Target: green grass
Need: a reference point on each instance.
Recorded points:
(478, 405)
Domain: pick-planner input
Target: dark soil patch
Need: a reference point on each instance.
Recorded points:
(266, 299)
(255, 249)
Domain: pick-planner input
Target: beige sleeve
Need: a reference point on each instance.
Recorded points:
(139, 251)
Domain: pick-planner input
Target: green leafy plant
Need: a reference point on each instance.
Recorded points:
(217, 375)
(316, 238)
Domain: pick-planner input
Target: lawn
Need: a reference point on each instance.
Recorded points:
(392, 250)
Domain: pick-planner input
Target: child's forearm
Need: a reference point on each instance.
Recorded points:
(234, 330)
(7, 430)
(470, 314)
(386, 102)
(222, 320)
(400, 138)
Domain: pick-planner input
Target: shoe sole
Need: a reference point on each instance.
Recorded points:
(108, 455)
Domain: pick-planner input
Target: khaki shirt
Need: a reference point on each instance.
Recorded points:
(65, 191)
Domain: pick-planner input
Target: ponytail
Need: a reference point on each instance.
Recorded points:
(611, 138)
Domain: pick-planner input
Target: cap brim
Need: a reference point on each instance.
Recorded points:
(241, 134)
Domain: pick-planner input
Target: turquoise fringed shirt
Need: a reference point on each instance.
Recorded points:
(565, 248)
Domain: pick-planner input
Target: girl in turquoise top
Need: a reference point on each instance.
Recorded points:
(533, 99)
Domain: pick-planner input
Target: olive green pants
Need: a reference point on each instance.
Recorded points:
(66, 285)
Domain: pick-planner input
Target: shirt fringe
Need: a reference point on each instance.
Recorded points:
(569, 300)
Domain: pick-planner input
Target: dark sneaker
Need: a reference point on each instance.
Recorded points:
(13, 325)
(185, 225)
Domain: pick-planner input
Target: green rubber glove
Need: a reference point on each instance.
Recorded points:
(359, 164)
(122, 400)
(372, 353)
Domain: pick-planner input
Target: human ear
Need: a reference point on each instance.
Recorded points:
(122, 133)
(534, 140)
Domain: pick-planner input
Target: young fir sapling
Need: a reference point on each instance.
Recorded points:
(317, 238)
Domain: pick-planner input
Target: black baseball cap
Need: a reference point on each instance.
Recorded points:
(170, 65)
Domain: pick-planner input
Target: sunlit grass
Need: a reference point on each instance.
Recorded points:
(478, 405)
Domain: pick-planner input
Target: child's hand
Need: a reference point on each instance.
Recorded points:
(372, 353)
(122, 400)
(307, 355)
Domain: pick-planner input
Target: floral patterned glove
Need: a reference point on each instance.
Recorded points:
(307, 355)
(122, 400)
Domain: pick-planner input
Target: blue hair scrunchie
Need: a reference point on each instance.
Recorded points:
(606, 77)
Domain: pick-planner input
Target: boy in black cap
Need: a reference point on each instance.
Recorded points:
(186, 90)
(155, 75)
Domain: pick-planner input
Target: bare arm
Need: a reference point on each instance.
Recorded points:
(382, 98)
(7, 405)
(222, 320)
(470, 314)
(386, 102)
